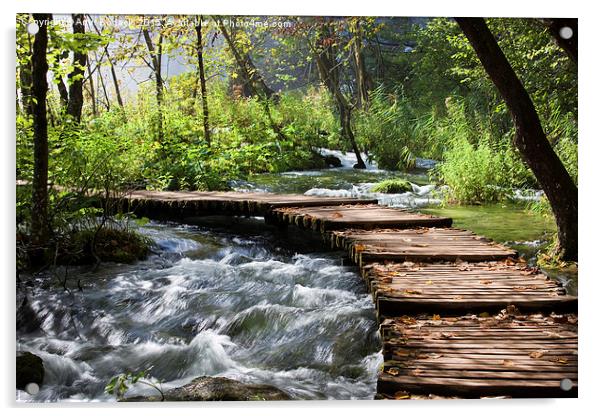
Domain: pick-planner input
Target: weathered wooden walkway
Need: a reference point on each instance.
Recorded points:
(461, 316)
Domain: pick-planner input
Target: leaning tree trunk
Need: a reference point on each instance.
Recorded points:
(362, 79)
(199, 37)
(76, 77)
(329, 74)
(39, 202)
(569, 45)
(156, 57)
(530, 138)
(111, 66)
(247, 69)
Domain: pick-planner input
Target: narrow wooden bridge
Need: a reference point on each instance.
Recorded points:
(460, 316)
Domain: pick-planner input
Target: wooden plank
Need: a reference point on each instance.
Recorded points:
(470, 356)
(445, 287)
(420, 244)
(370, 216)
(176, 205)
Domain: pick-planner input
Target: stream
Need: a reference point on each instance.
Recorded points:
(233, 297)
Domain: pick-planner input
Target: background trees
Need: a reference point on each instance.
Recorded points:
(181, 102)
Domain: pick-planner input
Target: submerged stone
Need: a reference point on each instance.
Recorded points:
(216, 389)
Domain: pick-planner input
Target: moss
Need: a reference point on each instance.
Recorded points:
(392, 186)
(109, 244)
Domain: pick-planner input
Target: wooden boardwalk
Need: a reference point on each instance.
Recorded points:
(369, 216)
(420, 244)
(450, 303)
(401, 288)
(471, 356)
(179, 205)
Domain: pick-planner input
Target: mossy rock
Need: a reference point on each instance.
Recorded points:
(392, 186)
(216, 389)
(110, 245)
(30, 369)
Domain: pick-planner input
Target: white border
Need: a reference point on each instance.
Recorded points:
(590, 137)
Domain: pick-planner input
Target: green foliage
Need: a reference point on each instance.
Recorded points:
(478, 165)
(392, 186)
(121, 383)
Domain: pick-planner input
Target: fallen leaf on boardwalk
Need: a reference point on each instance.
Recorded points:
(393, 371)
(360, 247)
(538, 353)
(510, 261)
(416, 372)
(401, 395)
(559, 360)
(486, 282)
(408, 320)
(508, 363)
(512, 310)
(337, 215)
(431, 356)
(436, 317)
(446, 335)
(429, 282)
(412, 292)
(421, 245)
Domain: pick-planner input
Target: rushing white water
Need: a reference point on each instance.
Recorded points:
(210, 303)
(420, 196)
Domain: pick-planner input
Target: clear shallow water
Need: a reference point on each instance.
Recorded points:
(211, 302)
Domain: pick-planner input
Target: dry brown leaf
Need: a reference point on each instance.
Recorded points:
(508, 363)
(538, 353)
(408, 320)
(436, 317)
(559, 360)
(412, 292)
(393, 371)
(429, 282)
(401, 395)
(486, 282)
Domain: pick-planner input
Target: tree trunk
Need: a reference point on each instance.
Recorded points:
(569, 45)
(111, 65)
(199, 37)
(92, 91)
(156, 57)
(76, 93)
(530, 138)
(39, 202)
(25, 79)
(329, 73)
(361, 75)
(248, 70)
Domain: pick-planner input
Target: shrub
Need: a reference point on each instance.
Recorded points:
(392, 186)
